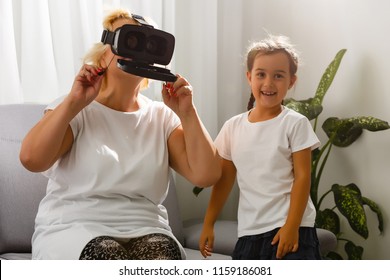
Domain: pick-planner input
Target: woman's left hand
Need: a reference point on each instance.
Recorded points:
(178, 96)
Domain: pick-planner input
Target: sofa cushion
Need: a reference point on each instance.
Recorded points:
(20, 190)
(193, 254)
(16, 256)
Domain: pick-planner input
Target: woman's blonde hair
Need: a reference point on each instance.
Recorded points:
(95, 54)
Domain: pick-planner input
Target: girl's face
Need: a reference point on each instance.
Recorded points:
(270, 79)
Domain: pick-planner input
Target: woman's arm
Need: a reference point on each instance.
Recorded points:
(191, 150)
(52, 136)
(47, 141)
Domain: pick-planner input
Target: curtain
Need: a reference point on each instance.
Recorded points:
(43, 42)
(10, 91)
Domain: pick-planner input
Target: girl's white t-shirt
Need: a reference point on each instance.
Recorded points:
(262, 155)
(112, 182)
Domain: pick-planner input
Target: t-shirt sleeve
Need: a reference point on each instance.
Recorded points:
(171, 121)
(303, 136)
(74, 123)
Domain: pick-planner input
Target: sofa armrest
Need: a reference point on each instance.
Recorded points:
(328, 241)
(225, 235)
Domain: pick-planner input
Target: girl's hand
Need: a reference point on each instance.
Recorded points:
(206, 241)
(287, 240)
(178, 96)
(86, 85)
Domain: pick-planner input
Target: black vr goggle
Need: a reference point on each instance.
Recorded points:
(144, 46)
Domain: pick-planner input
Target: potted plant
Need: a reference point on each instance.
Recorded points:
(348, 199)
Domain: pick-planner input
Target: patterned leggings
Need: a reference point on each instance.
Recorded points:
(149, 247)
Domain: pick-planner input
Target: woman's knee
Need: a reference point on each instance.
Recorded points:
(103, 248)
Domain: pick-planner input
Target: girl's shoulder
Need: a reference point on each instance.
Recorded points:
(291, 114)
(235, 122)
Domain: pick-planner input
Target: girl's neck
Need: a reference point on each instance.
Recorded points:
(258, 114)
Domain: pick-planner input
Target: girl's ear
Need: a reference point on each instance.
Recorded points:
(248, 77)
(292, 81)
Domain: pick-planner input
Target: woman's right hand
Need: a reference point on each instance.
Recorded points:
(86, 85)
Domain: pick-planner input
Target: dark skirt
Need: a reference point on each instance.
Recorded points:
(258, 247)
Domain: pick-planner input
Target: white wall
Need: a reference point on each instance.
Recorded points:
(319, 29)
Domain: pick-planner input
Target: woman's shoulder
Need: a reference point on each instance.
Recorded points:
(144, 98)
(150, 103)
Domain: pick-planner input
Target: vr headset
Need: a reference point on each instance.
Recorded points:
(144, 46)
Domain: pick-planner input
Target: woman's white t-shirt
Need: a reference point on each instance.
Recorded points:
(112, 182)
(262, 155)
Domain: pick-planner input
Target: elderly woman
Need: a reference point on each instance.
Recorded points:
(107, 151)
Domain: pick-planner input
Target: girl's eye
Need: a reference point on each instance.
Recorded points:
(261, 74)
(279, 76)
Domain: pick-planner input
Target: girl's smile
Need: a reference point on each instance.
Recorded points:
(268, 93)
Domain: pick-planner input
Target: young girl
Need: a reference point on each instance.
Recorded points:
(269, 149)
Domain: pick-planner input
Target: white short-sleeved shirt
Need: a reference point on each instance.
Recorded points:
(262, 155)
(112, 181)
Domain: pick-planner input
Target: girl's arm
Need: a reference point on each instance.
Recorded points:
(220, 193)
(288, 235)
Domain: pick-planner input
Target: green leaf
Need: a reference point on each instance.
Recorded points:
(354, 252)
(341, 132)
(370, 123)
(306, 107)
(349, 202)
(328, 76)
(375, 208)
(315, 154)
(197, 190)
(328, 219)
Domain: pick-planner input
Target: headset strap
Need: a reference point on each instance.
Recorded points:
(141, 20)
(109, 36)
